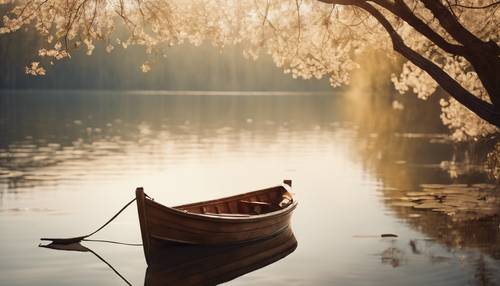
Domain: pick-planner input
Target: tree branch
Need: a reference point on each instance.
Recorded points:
(451, 24)
(480, 107)
(476, 7)
(401, 10)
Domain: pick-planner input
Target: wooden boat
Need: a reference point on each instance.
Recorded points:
(231, 220)
(191, 265)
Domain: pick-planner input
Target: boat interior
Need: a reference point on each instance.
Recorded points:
(254, 203)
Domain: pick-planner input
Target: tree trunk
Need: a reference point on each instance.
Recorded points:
(488, 71)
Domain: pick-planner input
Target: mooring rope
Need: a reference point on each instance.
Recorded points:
(110, 266)
(112, 241)
(80, 238)
(110, 220)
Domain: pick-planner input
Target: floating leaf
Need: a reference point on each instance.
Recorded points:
(453, 191)
(456, 186)
(443, 209)
(414, 194)
(484, 186)
(421, 198)
(432, 186)
(428, 206)
(403, 204)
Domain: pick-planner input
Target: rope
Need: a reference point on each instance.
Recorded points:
(80, 238)
(110, 266)
(114, 242)
(118, 213)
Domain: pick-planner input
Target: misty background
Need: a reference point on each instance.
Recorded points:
(186, 67)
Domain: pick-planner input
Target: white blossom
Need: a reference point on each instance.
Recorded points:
(145, 67)
(35, 69)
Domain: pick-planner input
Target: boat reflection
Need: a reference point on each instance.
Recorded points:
(180, 264)
(208, 265)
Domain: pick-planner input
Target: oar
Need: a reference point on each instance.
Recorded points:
(70, 240)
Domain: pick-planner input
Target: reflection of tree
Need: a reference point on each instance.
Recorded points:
(482, 275)
(406, 149)
(422, 155)
(391, 136)
(392, 256)
(66, 116)
(429, 251)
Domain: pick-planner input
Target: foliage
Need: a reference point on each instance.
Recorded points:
(493, 162)
(306, 38)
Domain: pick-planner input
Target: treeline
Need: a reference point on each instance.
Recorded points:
(185, 68)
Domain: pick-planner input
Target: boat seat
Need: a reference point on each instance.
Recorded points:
(228, 214)
(255, 203)
(254, 207)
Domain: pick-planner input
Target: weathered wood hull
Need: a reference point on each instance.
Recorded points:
(184, 225)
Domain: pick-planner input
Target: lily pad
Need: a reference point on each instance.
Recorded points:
(443, 209)
(432, 186)
(456, 186)
(463, 199)
(404, 204)
(484, 186)
(463, 189)
(421, 198)
(428, 206)
(453, 191)
(414, 194)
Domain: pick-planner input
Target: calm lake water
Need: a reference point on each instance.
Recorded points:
(70, 159)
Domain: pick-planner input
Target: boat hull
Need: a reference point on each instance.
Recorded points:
(161, 223)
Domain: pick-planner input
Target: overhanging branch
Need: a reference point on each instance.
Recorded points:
(480, 107)
(401, 10)
(451, 24)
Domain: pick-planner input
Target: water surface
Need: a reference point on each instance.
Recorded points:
(70, 159)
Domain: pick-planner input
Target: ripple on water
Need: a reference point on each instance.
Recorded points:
(246, 147)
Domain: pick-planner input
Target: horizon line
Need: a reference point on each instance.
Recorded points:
(183, 92)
